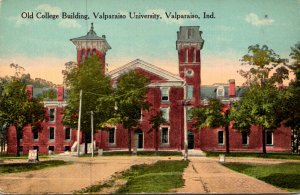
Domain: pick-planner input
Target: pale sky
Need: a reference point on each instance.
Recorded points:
(43, 46)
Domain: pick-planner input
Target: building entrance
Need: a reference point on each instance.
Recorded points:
(190, 140)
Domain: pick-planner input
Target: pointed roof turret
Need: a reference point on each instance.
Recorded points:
(91, 36)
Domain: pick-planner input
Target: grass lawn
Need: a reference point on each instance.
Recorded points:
(162, 176)
(21, 167)
(284, 175)
(159, 177)
(290, 156)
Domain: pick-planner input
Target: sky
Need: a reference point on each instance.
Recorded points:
(42, 46)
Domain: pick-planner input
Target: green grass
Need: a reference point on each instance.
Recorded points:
(22, 167)
(23, 156)
(289, 156)
(284, 175)
(156, 178)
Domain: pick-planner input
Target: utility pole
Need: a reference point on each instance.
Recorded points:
(185, 123)
(79, 120)
(92, 132)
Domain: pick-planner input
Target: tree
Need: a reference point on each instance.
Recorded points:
(130, 100)
(292, 97)
(157, 120)
(212, 116)
(261, 106)
(18, 110)
(263, 62)
(267, 69)
(89, 78)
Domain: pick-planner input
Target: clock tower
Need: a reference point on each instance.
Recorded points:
(91, 44)
(189, 44)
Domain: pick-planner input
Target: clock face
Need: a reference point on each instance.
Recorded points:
(189, 73)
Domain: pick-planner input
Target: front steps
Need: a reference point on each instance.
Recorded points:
(196, 153)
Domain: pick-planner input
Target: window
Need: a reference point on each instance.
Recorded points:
(189, 34)
(165, 113)
(269, 137)
(52, 114)
(188, 113)
(51, 133)
(221, 137)
(194, 55)
(245, 138)
(111, 135)
(186, 56)
(164, 135)
(67, 133)
(189, 73)
(67, 148)
(220, 91)
(36, 148)
(164, 94)
(35, 134)
(51, 148)
(189, 91)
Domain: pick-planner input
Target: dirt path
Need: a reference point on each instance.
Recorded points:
(66, 179)
(207, 175)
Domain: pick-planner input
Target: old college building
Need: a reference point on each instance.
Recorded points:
(166, 93)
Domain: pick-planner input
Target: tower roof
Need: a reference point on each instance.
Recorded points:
(91, 35)
(189, 34)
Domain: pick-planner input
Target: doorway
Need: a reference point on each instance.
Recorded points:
(190, 140)
(140, 139)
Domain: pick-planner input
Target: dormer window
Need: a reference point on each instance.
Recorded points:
(220, 91)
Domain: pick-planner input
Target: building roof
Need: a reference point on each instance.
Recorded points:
(169, 77)
(189, 34)
(91, 35)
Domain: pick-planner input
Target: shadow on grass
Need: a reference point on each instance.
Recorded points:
(283, 180)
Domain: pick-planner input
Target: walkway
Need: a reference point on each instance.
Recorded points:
(207, 175)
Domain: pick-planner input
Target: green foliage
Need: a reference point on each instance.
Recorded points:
(129, 101)
(211, 115)
(89, 77)
(262, 61)
(159, 177)
(18, 110)
(22, 167)
(284, 175)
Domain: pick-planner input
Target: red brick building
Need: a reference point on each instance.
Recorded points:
(166, 93)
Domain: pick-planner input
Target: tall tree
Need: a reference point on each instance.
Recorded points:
(292, 97)
(130, 100)
(266, 70)
(18, 110)
(212, 116)
(157, 120)
(89, 78)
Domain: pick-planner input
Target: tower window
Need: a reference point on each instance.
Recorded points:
(189, 33)
(189, 91)
(186, 56)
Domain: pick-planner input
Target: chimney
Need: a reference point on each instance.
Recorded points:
(29, 91)
(231, 88)
(60, 93)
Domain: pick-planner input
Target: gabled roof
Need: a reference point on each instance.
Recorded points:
(165, 75)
